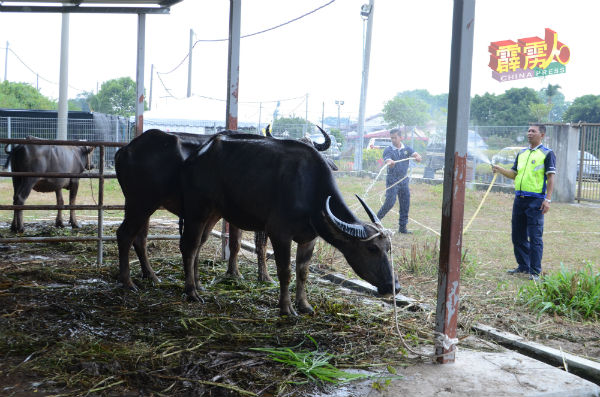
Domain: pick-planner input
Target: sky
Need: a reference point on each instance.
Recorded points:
(306, 65)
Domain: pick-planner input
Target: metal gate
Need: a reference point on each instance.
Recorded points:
(588, 163)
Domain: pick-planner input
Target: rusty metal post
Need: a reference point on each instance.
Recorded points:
(139, 75)
(233, 80)
(454, 177)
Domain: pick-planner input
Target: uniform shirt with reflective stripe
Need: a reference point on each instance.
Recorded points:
(530, 181)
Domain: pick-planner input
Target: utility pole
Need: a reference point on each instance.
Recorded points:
(151, 76)
(306, 116)
(323, 115)
(366, 12)
(6, 62)
(189, 87)
(259, 114)
(339, 103)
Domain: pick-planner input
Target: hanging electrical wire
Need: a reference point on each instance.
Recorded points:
(247, 35)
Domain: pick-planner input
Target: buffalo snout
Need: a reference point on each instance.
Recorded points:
(386, 289)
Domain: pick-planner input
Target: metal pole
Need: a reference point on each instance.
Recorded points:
(259, 116)
(306, 116)
(151, 78)
(454, 176)
(323, 115)
(366, 12)
(63, 89)
(6, 62)
(8, 133)
(100, 206)
(233, 80)
(189, 86)
(139, 75)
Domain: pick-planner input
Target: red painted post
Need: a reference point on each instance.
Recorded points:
(454, 179)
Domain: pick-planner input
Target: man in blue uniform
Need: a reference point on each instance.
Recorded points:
(533, 172)
(397, 157)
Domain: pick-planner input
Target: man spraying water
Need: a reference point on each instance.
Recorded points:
(396, 182)
(533, 172)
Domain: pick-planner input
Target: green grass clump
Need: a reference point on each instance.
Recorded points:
(314, 365)
(572, 294)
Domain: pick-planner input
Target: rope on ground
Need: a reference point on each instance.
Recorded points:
(441, 340)
(480, 204)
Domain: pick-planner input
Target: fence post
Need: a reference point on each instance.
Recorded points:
(8, 133)
(100, 204)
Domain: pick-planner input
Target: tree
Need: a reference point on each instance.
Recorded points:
(23, 96)
(540, 111)
(509, 108)
(585, 109)
(116, 96)
(406, 111)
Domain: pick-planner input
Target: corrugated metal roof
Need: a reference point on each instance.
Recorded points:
(90, 6)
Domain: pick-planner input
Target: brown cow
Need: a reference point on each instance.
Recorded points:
(47, 158)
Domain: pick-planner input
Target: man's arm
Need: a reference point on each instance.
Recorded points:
(549, 189)
(512, 174)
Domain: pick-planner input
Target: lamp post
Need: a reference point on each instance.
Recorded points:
(338, 103)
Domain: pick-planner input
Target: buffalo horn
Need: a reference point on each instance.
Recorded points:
(369, 211)
(349, 229)
(321, 147)
(268, 131)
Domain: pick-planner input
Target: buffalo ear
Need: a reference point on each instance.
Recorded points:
(89, 149)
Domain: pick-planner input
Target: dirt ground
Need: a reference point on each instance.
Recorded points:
(67, 328)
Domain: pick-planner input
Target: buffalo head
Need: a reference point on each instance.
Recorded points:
(365, 246)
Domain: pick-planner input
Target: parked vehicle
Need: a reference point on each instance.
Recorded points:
(436, 151)
(379, 143)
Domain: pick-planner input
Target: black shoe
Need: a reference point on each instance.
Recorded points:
(516, 271)
(534, 277)
(404, 231)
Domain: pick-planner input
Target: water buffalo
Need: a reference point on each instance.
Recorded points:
(148, 172)
(285, 188)
(47, 158)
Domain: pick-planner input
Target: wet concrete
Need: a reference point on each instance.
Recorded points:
(498, 374)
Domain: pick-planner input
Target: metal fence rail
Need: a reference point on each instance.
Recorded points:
(100, 207)
(588, 163)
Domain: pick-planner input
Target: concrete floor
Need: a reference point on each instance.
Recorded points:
(498, 374)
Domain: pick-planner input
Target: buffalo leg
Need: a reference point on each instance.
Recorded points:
(60, 202)
(141, 249)
(22, 188)
(72, 199)
(189, 245)
(235, 238)
(260, 242)
(205, 235)
(132, 224)
(303, 255)
(282, 250)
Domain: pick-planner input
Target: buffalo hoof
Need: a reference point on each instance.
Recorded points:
(194, 297)
(15, 229)
(265, 278)
(287, 310)
(128, 284)
(305, 309)
(236, 274)
(59, 224)
(75, 225)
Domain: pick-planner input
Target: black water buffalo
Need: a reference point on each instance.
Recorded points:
(148, 171)
(47, 158)
(285, 188)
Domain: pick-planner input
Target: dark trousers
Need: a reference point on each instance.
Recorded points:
(527, 231)
(402, 192)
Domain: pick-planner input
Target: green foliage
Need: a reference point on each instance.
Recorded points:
(23, 96)
(585, 109)
(406, 111)
(314, 365)
(289, 127)
(338, 135)
(572, 294)
(540, 112)
(372, 159)
(509, 108)
(116, 96)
